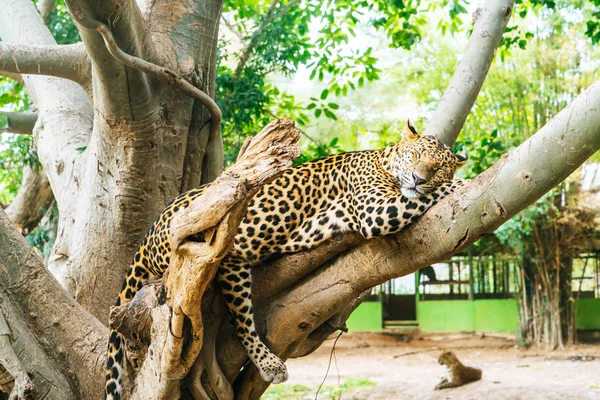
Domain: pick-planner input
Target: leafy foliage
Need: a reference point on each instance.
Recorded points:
(42, 237)
(15, 150)
(318, 150)
(593, 23)
(61, 25)
(285, 37)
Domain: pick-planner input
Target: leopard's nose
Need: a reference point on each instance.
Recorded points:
(418, 180)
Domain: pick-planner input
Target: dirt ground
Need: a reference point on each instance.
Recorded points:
(405, 367)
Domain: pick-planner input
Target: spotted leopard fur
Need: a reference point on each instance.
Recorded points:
(372, 192)
(457, 373)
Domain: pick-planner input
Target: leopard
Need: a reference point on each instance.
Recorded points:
(373, 192)
(457, 374)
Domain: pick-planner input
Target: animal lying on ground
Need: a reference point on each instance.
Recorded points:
(372, 192)
(457, 374)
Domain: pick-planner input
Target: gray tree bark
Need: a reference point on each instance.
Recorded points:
(48, 326)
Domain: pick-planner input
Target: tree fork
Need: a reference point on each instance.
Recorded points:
(163, 74)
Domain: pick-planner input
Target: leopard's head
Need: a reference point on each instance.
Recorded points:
(447, 358)
(422, 163)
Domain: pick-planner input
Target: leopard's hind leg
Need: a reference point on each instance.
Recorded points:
(234, 279)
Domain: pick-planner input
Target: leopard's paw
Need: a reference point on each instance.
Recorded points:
(272, 369)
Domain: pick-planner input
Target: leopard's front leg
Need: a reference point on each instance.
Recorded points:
(445, 384)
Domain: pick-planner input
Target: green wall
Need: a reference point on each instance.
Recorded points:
(497, 315)
(588, 314)
(367, 317)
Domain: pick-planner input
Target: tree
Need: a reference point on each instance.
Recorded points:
(116, 142)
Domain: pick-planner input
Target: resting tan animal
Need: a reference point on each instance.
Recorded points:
(458, 374)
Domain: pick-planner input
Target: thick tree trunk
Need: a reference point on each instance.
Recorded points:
(144, 143)
(48, 327)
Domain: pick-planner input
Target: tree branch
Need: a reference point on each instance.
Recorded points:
(46, 7)
(15, 77)
(64, 111)
(67, 333)
(32, 201)
(48, 380)
(460, 95)
(114, 83)
(66, 61)
(518, 179)
(232, 28)
(19, 122)
(11, 363)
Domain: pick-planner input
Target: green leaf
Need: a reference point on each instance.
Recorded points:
(311, 106)
(333, 106)
(318, 112)
(81, 149)
(329, 114)
(324, 94)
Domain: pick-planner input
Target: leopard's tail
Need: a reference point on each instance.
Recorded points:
(114, 366)
(137, 276)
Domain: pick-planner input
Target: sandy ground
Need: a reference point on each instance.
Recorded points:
(406, 368)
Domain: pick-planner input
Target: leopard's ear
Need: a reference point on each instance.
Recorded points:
(409, 133)
(461, 159)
